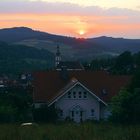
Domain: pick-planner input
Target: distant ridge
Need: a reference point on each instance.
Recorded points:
(21, 33)
(71, 48)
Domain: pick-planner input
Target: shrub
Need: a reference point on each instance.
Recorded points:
(125, 107)
(45, 114)
(7, 114)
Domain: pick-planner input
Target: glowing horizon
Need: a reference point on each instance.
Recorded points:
(74, 18)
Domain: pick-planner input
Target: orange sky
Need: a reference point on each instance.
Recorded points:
(70, 25)
(73, 20)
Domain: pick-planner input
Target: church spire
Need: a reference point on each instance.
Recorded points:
(58, 51)
(57, 56)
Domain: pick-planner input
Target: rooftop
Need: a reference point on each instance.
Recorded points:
(48, 85)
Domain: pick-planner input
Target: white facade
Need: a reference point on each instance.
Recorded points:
(78, 104)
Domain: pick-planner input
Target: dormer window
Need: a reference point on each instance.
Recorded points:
(80, 94)
(74, 94)
(85, 94)
(69, 94)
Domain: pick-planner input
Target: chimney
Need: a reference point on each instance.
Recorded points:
(104, 92)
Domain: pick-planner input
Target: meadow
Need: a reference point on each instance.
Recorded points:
(70, 131)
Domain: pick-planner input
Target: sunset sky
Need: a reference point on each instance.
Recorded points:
(79, 18)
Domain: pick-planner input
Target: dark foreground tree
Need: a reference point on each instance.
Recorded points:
(45, 114)
(123, 64)
(126, 105)
(15, 105)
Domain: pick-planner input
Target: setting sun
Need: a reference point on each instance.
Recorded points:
(81, 32)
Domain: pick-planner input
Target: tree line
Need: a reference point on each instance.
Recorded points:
(125, 63)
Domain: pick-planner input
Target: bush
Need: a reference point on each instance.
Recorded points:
(45, 114)
(7, 114)
(125, 107)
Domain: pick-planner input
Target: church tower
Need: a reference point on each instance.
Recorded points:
(57, 56)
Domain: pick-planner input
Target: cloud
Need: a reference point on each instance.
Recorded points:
(40, 7)
(43, 7)
(111, 15)
(69, 18)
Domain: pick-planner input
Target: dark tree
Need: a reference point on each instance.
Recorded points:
(124, 64)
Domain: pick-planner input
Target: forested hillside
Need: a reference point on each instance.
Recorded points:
(71, 48)
(18, 58)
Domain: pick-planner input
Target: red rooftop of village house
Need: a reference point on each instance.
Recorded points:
(47, 85)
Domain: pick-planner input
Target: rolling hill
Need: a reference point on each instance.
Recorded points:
(71, 48)
(15, 59)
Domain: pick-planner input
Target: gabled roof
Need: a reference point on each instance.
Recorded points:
(51, 84)
(68, 87)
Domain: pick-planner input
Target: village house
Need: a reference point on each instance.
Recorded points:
(78, 94)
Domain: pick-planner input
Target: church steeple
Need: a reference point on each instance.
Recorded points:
(57, 56)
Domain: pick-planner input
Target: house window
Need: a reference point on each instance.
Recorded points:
(61, 113)
(72, 113)
(92, 112)
(81, 113)
(69, 94)
(80, 94)
(74, 94)
(85, 94)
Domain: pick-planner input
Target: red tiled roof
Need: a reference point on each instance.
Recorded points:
(47, 85)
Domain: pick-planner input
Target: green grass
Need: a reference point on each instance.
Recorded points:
(85, 131)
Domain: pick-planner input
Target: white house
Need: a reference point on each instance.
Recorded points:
(79, 95)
